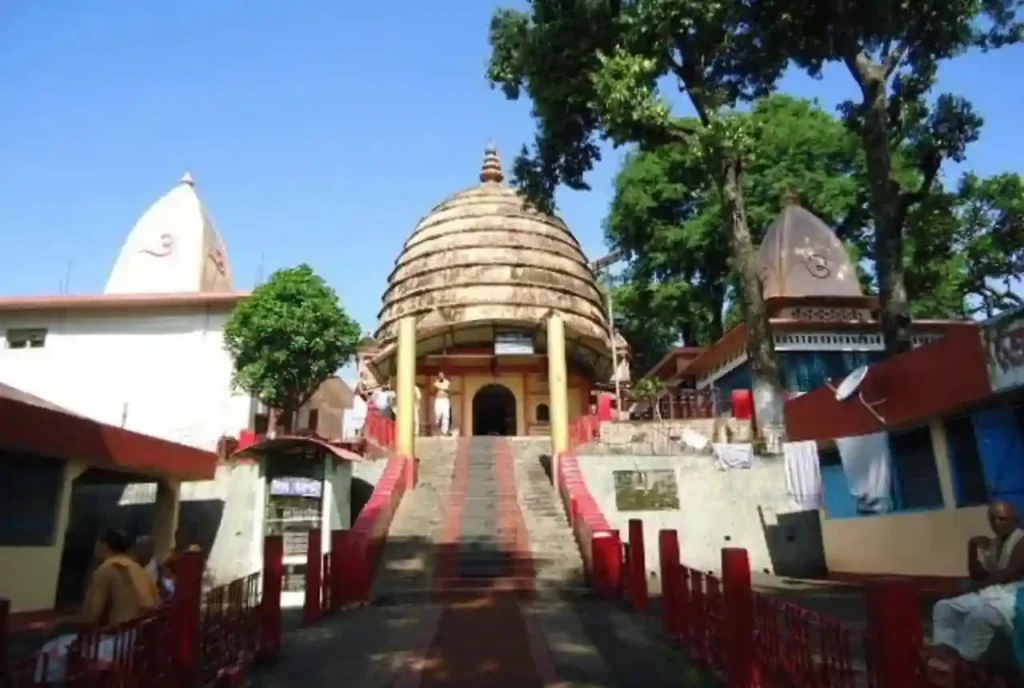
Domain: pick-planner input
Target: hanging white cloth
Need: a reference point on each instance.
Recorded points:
(729, 456)
(354, 418)
(694, 440)
(803, 473)
(868, 468)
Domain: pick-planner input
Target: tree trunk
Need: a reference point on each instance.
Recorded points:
(764, 365)
(288, 419)
(884, 202)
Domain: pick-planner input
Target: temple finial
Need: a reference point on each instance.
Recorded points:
(491, 171)
(187, 179)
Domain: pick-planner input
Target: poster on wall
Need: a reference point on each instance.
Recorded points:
(1003, 340)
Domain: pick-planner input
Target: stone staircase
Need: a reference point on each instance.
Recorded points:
(407, 564)
(558, 568)
(483, 520)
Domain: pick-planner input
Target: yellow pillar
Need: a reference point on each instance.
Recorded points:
(943, 464)
(405, 386)
(165, 515)
(558, 386)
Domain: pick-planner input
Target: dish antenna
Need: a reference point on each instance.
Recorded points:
(851, 385)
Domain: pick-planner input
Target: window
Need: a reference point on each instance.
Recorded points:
(261, 423)
(30, 493)
(26, 338)
(915, 475)
(314, 420)
(543, 413)
(965, 461)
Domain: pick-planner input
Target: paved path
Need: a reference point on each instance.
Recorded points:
(455, 600)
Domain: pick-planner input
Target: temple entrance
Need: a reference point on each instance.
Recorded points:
(494, 411)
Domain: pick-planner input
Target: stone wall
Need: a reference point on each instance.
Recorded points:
(748, 508)
(665, 436)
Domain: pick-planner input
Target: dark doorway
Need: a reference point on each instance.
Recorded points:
(494, 411)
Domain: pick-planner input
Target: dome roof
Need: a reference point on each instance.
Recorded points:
(484, 257)
(173, 248)
(801, 256)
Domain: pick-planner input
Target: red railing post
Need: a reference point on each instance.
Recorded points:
(5, 629)
(314, 547)
(738, 596)
(325, 583)
(668, 554)
(895, 633)
(270, 603)
(638, 566)
(188, 591)
(339, 541)
(606, 554)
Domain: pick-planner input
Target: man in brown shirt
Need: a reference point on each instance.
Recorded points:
(120, 590)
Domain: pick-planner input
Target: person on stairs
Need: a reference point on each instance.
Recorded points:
(442, 403)
(965, 625)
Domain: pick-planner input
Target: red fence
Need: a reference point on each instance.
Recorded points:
(195, 639)
(755, 639)
(379, 429)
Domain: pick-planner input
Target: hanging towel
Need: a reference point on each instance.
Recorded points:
(868, 468)
(733, 456)
(695, 440)
(803, 474)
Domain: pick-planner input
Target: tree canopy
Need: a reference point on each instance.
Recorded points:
(289, 336)
(893, 52)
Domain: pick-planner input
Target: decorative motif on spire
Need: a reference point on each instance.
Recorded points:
(492, 166)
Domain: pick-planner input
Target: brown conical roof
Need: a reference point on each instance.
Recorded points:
(486, 256)
(801, 256)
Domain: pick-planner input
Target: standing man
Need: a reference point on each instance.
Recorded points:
(442, 403)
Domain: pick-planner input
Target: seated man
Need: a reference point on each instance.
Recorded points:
(119, 591)
(966, 624)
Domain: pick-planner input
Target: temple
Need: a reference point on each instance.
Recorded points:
(481, 274)
(823, 325)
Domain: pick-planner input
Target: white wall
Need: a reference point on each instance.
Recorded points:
(716, 509)
(167, 374)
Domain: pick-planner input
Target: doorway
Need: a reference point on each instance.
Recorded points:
(494, 411)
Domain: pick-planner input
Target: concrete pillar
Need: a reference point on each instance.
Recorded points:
(405, 386)
(943, 463)
(558, 386)
(165, 515)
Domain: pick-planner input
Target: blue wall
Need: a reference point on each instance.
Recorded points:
(1001, 449)
(802, 371)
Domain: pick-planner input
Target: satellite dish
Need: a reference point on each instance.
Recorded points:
(849, 386)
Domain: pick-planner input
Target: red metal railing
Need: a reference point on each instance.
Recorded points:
(379, 429)
(229, 630)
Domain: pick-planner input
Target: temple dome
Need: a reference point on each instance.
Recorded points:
(485, 258)
(801, 256)
(173, 248)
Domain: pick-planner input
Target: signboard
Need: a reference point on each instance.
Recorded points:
(295, 487)
(650, 490)
(513, 344)
(1003, 340)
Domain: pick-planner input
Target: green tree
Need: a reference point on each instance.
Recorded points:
(650, 389)
(893, 52)
(965, 248)
(288, 337)
(669, 220)
(592, 70)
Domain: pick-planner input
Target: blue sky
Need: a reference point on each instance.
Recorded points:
(316, 131)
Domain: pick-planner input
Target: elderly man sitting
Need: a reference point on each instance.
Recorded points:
(966, 624)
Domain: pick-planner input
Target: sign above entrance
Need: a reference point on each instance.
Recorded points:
(513, 344)
(295, 487)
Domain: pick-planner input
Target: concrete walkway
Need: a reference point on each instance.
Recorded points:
(494, 641)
